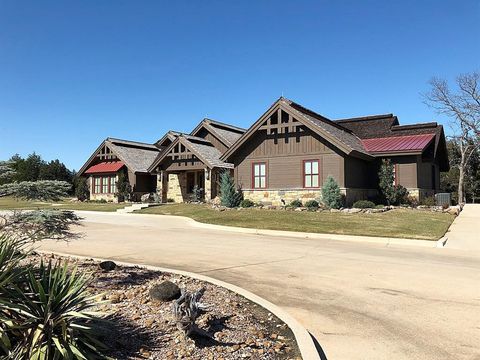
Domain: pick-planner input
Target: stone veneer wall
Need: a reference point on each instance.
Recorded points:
(177, 184)
(208, 185)
(275, 197)
(420, 194)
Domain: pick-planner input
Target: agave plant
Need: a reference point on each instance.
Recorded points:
(51, 316)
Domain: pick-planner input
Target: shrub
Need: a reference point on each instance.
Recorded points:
(363, 204)
(170, 200)
(124, 189)
(387, 181)
(331, 195)
(50, 316)
(82, 192)
(296, 203)
(312, 205)
(44, 190)
(246, 203)
(36, 225)
(428, 201)
(229, 196)
(197, 194)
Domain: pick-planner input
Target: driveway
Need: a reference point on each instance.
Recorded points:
(359, 300)
(464, 233)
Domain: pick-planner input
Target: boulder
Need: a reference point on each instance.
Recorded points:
(107, 265)
(165, 291)
(150, 198)
(453, 210)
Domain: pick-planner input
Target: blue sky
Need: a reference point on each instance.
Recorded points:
(75, 72)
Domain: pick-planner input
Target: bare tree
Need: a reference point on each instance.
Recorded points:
(463, 106)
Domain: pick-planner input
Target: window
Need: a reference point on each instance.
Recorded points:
(105, 186)
(113, 184)
(311, 174)
(97, 188)
(259, 175)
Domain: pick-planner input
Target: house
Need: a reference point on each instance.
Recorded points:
(286, 154)
(114, 158)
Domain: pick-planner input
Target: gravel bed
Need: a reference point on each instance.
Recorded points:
(144, 329)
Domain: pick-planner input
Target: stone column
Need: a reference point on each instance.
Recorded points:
(208, 185)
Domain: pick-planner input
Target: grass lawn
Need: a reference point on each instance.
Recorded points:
(9, 203)
(401, 223)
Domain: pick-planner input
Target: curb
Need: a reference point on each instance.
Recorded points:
(303, 338)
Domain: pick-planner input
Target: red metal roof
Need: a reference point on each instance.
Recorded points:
(105, 167)
(398, 143)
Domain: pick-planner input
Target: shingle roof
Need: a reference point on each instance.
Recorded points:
(406, 143)
(209, 154)
(372, 126)
(230, 136)
(136, 156)
(345, 136)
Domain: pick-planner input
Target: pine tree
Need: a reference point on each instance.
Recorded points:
(331, 195)
(229, 196)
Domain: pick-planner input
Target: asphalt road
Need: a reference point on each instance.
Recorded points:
(359, 300)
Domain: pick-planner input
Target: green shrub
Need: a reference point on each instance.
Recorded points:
(44, 190)
(49, 317)
(170, 200)
(428, 201)
(82, 192)
(331, 195)
(246, 203)
(229, 195)
(296, 203)
(363, 204)
(124, 189)
(312, 205)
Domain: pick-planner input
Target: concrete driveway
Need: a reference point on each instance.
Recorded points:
(360, 301)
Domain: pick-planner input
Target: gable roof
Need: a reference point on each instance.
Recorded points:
(226, 133)
(201, 148)
(337, 135)
(169, 135)
(136, 156)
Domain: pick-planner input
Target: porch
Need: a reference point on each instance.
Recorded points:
(188, 185)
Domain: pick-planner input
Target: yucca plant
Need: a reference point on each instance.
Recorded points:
(51, 316)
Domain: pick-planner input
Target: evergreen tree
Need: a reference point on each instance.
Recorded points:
(387, 181)
(124, 189)
(229, 195)
(82, 192)
(331, 195)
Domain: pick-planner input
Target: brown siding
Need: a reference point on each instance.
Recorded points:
(284, 158)
(215, 142)
(357, 174)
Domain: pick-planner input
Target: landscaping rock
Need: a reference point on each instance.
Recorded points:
(453, 210)
(166, 291)
(150, 198)
(107, 265)
(334, 210)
